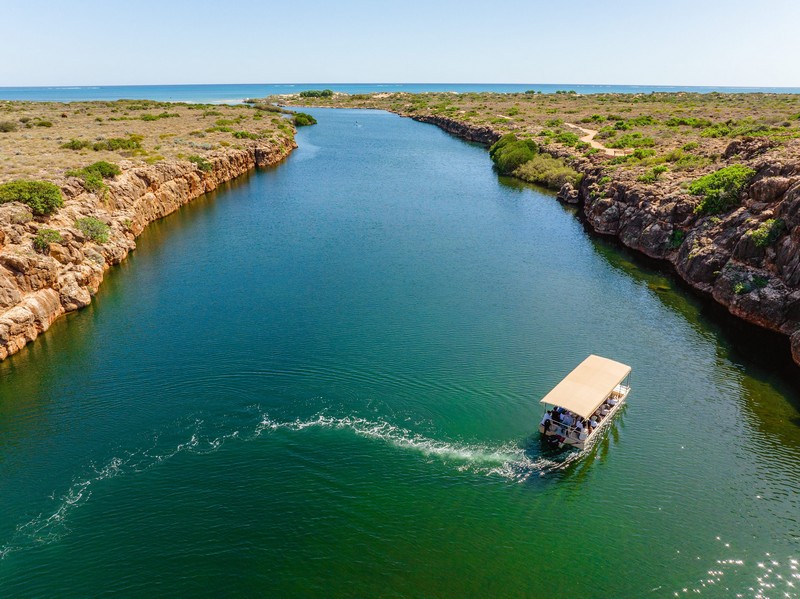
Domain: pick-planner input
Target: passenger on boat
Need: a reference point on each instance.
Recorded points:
(604, 410)
(612, 401)
(546, 420)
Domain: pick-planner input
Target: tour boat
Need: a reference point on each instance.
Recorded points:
(592, 393)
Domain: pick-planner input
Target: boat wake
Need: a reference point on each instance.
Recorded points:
(509, 461)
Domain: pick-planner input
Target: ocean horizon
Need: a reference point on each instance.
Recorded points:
(234, 93)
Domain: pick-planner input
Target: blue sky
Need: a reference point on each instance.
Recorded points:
(681, 42)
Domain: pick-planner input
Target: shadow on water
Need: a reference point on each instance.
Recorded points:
(760, 353)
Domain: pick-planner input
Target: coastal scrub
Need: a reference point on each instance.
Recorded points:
(720, 190)
(94, 174)
(93, 228)
(42, 197)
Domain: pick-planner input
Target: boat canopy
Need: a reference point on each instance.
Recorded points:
(584, 389)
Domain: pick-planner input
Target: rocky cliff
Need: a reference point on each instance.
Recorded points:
(38, 287)
(717, 255)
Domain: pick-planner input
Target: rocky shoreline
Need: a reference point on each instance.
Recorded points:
(717, 256)
(37, 288)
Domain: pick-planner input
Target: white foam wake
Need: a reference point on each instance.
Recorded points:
(509, 461)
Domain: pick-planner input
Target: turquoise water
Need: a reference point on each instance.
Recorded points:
(322, 380)
(231, 93)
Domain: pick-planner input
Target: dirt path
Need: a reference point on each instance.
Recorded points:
(588, 137)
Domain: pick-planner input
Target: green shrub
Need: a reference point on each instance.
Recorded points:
(548, 171)
(76, 144)
(44, 238)
(156, 117)
(767, 233)
(595, 118)
(642, 153)
(653, 174)
(676, 238)
(245, 135)
(742, 287)
(719, 130)
(7, 126)
(94, 174)
(203, 164)
(93, 228)
(509, 153)
(760, 282)
(641, 121)
(688, 122)
(554, 123)
(316, 93)
(40, 196)
(692, 145)
(720, 190)
(43, 124)
(567, 138)
(132, 142)
(301, 119)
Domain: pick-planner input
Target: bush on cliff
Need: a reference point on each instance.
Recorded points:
(94, 174)
(42, 197)
(548, 171)
(93, 228)
(301, 119)
(720, 190)
(44, 238)
(509, 153)
(202, 163)
(767, 233)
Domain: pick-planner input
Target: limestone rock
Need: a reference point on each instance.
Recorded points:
(568, 194)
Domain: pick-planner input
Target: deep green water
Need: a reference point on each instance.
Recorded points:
(323, 380)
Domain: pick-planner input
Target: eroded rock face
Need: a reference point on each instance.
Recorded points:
(36, 288)
(483, 135)
(715, 254)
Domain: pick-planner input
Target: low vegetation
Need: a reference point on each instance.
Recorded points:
(301, 119)
(43, 239)
(201, 163)
(140, 131)
(767, 233)
(721, 189)
(93, 175)
(522, 158)
(40, 196)
(93, 228)
(316, 93)
(509, 153)
(131, 142)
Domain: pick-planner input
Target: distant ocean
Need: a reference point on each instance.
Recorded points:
(234, 93)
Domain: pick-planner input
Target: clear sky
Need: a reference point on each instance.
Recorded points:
(674, 42)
